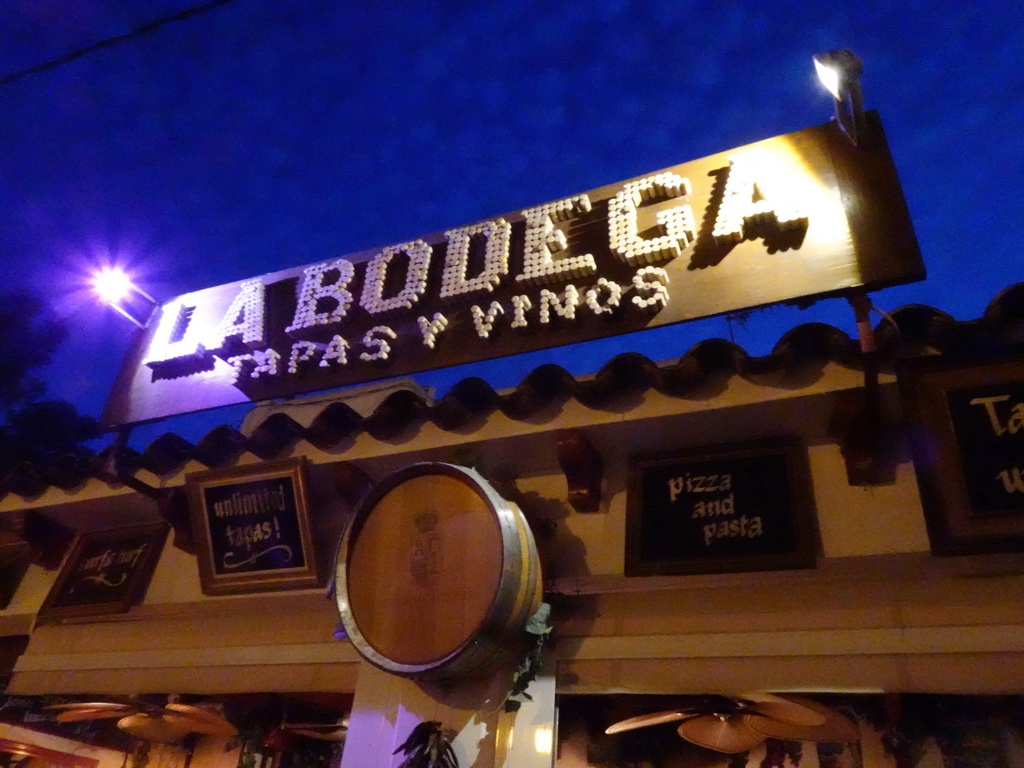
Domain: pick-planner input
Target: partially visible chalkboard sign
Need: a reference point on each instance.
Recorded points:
(715, 509)
(105, 572)
(966, 423)
(251, 527)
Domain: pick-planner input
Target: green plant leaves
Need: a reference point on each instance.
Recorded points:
(428, 746)
(526, 672)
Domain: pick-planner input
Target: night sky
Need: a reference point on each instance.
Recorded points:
(262, 135)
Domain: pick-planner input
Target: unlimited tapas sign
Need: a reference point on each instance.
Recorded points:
(797, 216)
(251, 525)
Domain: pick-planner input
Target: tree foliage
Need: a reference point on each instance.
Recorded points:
(29, 335)
(34, 430)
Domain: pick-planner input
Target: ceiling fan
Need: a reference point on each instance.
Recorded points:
(735, 724)
(163, 724)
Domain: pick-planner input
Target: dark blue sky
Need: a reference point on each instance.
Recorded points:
(263, 135)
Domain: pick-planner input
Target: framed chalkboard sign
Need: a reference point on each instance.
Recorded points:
(966, 422)
(741, 507)
(105, 572)
(251, 526)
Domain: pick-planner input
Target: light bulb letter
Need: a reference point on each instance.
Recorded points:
(753, 194)
(677, 224)
(244, 321)
(175, 338)
(372, 298)
(323, 298)
(377, 339)
(497, 234)
(544, 240)
(651, 280)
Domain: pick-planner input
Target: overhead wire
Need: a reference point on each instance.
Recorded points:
(109, 42)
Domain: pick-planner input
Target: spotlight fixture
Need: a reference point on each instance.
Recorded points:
(117, 290)
(839, 71)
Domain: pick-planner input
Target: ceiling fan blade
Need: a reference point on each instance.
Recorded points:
(200, 725)
(200, 719)
(88, 705)
(338, 734)
(158, 729)
(194, 710)
(777, 708)
(654, 718)
(835, 728)
(722, 734)
(88, 713)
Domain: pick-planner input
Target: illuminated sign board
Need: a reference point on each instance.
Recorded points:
(796, 216)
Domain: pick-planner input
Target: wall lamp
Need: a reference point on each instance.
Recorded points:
(117, 290)
(839, 71)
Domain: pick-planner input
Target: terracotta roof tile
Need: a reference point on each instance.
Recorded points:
(914, 330)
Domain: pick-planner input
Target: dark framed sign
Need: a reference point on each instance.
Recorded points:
(740, 507)
(251, 527)
(966, 421)
(105, 572)
(795, 216)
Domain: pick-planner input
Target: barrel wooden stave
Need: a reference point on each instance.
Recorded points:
(437, 574)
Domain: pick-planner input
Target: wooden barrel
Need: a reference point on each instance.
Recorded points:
(437, 574)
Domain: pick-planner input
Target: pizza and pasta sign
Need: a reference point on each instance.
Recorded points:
(797, 216)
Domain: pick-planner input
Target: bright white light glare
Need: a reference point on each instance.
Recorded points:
(544, 740)
(828, 73)
(111, 284)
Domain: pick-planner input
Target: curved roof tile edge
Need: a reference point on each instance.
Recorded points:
(910, 331)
